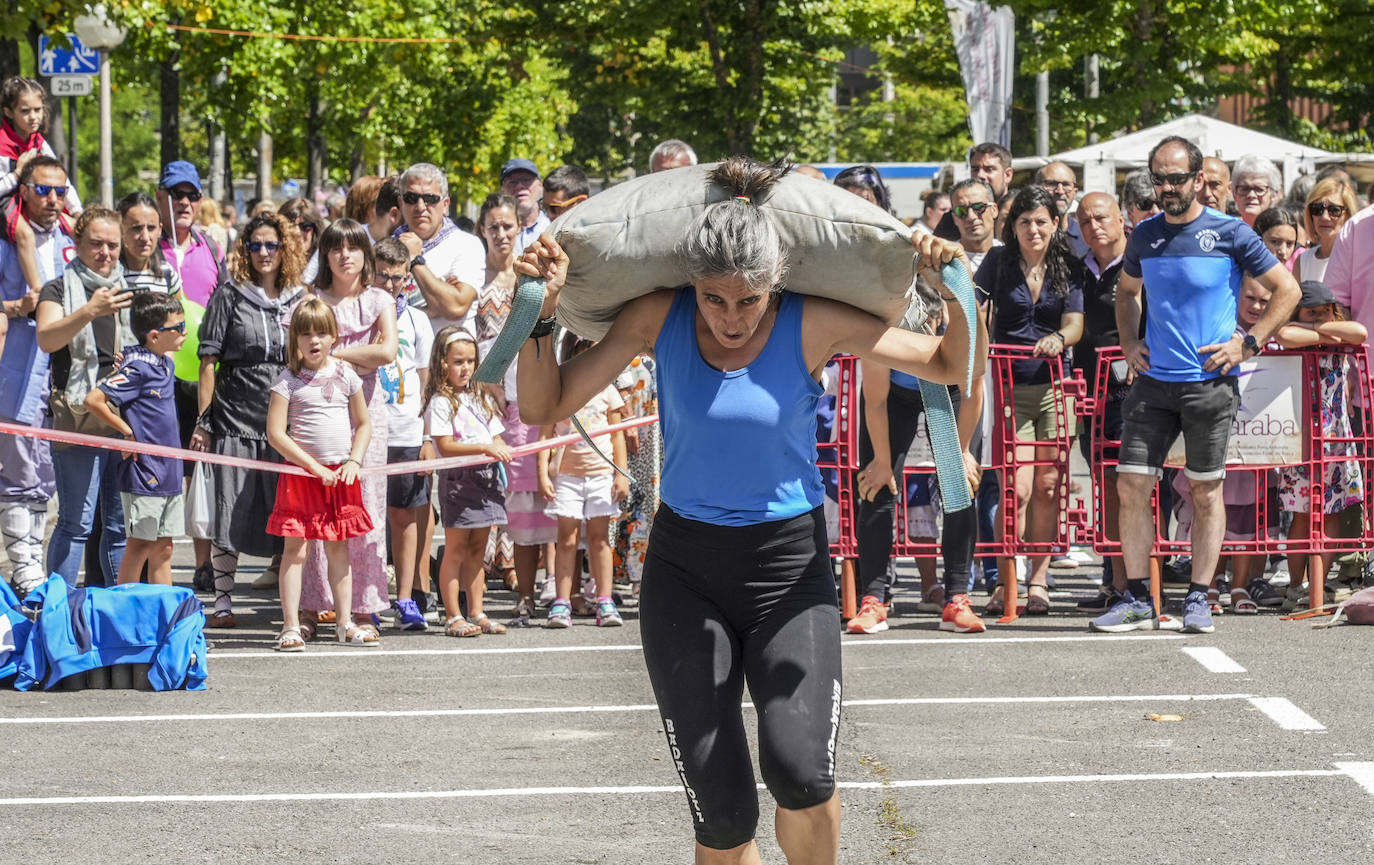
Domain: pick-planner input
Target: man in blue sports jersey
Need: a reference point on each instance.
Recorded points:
(1190, 260)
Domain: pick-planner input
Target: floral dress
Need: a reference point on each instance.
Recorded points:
(357, 317)
(636, 386)
(1342, 481)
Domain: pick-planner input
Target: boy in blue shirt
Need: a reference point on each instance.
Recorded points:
(142, 387)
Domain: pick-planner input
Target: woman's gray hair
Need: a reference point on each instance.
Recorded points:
(734, 238)
(1137, 188)
(1252, 164)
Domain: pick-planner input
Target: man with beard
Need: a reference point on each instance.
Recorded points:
(1190, 264)
(990, 163)
(975, 213)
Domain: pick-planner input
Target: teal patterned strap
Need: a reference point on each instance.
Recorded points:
(940, 419)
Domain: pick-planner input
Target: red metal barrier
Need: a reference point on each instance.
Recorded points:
(1319, 451)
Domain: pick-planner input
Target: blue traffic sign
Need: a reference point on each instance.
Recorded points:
(76, 60)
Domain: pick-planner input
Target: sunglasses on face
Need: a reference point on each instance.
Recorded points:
(961, 211)
(256, 246)
(184, 194)
(305, 227)
(179, 327)
(43, 190)
(1146, 204)
(429, 198)
(1174, 180)
(392, 278)
(1317, 208)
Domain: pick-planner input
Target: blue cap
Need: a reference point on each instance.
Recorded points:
(181, 171)
(515, 165)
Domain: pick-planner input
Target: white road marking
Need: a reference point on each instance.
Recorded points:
(1285, 714)
(952, 642)
(1363, 773)
(640, 790)
(1213, 659)
(595, 709)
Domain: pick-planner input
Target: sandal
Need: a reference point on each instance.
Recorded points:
(995, 606)
(354, 635)
(289, 640)
(327, 617)
(1242, 603)
(221, 619)
(1037, 605)
(461, 627)
(487, 625)
(309, 624)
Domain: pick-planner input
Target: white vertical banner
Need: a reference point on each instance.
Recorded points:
(985, 42)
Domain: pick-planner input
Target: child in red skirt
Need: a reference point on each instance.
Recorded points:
(464, 419)
(308, 422)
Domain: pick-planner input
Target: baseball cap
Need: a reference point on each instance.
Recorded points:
(518, 165)
(181, 171)
(1315, 294)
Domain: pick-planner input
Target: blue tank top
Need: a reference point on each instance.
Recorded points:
(739, 447)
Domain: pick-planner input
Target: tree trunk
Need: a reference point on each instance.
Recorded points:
(171, 107)
(9, 58)
(315, 151)
(265, 166)
(1281, 97)
(1144, 73)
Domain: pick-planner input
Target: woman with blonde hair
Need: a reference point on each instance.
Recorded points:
(211, 221)
(1330, 203)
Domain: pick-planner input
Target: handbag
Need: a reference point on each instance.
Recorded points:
(77, 419)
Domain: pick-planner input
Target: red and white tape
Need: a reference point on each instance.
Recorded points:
(409, 467)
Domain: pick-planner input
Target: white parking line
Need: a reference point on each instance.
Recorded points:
(1285, 714)
(640, 790)
(1213, 659)
(1363, 773)
(595, 709)
(951, 642)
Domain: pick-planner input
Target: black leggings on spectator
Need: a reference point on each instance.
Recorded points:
(959, 530)
(722, 606)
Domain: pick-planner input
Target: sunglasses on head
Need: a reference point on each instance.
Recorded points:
(557, 209)
(1175, 180)
(962, 210)
(1317, 208)
(43, 190)
(429, 198)
(184, 194)
(256, 246)
(179, 327)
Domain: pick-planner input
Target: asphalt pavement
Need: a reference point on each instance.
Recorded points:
(1035, 742)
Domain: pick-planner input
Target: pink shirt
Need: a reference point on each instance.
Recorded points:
(197, 267)
(1350, 269)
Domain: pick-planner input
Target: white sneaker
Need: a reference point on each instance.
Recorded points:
(547, 593)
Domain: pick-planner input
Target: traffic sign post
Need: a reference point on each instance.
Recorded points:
(77, 60)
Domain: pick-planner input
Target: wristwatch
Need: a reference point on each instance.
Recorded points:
(543, 327)
(417, 261)
(1252, 344)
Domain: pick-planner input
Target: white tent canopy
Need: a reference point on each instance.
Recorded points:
(1225, 141)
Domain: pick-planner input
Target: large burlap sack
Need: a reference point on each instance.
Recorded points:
(621, 245)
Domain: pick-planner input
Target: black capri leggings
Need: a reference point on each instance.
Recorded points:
(959, 529)
(724, 605)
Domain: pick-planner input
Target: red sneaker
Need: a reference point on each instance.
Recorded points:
(872, 617)
(959, 618)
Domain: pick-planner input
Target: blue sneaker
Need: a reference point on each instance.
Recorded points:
(1127, 614)
(560, 614)
(607, 616)
(408, 615)
(1197, 614)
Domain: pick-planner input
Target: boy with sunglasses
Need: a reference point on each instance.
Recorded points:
(142, 388)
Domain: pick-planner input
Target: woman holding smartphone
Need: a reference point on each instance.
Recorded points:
(78, 324)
